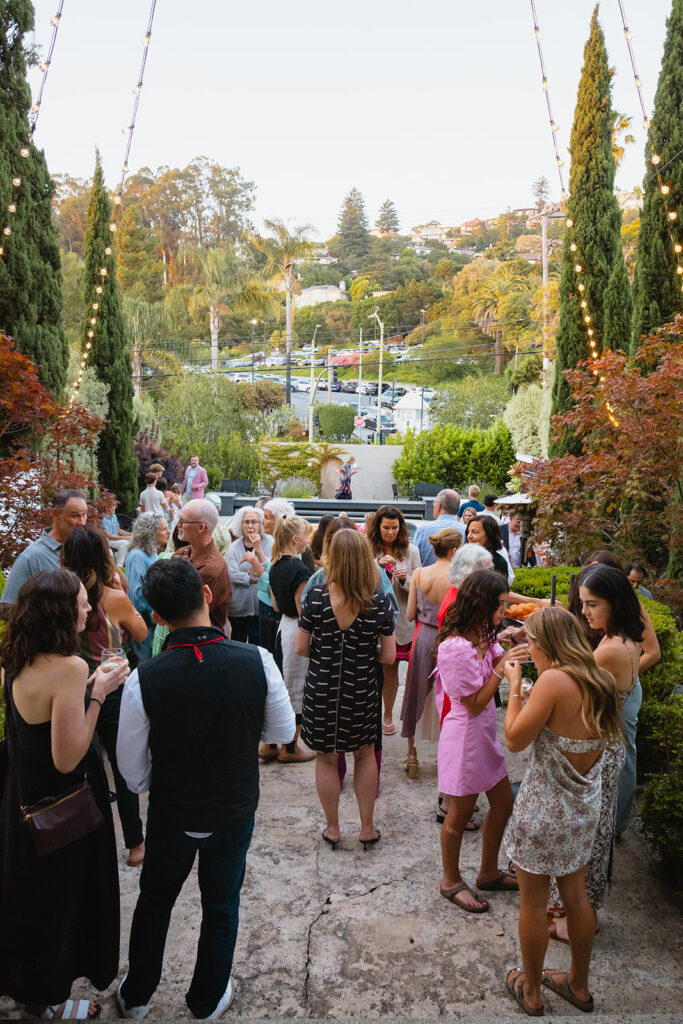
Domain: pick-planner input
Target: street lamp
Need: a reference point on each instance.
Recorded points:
(253, 325)
(375, 316)
(422, 323)
(312, 391)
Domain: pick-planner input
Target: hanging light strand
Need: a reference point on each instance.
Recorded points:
(671, 212)
(546, 89)
(106, 270)
(18, 179)
(587, 319)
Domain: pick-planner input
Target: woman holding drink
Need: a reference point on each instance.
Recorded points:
(248, 559)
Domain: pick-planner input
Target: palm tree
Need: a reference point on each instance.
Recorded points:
(486, 301)
(280, 254)
(620, 141)
(145, 324)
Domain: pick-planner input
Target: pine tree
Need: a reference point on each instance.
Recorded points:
(618, 308)
(354, 237)
(656, 286)
(139, 271)
(30, 272)
(387, 218)
(110, 356)
(596, 217)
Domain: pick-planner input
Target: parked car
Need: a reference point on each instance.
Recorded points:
(350, 387)
(387, 424)
(392, 395)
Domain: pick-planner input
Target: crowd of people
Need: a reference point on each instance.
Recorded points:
(202, 652)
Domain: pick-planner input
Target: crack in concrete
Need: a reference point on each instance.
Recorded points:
(321, 913)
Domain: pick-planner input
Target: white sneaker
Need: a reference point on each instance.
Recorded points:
(224, 1003)
(134, 1012)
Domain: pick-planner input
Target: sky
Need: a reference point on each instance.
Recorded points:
(436, 105)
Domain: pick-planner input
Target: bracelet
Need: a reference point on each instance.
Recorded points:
(496, 674)
(97, 700)
(515, 695)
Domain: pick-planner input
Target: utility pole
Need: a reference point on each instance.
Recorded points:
(544, 245)
(422, 323)
(375, 315)
(253, 327)
(360, 368)
(422, 406)
(312, 391)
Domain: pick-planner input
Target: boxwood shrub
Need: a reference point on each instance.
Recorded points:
(660, 723)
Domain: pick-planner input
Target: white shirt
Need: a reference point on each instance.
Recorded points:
(132, 746)
(151, 500)
(515, 548)
(511, 571)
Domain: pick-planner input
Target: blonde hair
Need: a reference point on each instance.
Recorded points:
(350, 566)
(448, 539)
(286, 529)
(474, 492)
(559, 636)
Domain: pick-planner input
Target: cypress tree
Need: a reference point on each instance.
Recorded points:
(597, 222)
(354, 237)
(110, 357)
(30, 269)
(618, 308)
(656, 285)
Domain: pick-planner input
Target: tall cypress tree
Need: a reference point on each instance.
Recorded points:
(597, 222)
(110, 356)
(618, 308)
(656, 285)
(30, 269)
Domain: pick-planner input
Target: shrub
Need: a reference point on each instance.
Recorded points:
(521, 417)
(148, 450)
(336, 421)
(527, 371)
(454, 457)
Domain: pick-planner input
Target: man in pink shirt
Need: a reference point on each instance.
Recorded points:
(195, 481)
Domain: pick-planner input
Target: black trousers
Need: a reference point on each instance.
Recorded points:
(128, 803)
(245, 628)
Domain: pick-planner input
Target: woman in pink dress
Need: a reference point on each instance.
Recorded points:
(469, 668)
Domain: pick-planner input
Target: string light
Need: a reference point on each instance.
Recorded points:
(33, 118)
(117, 199)
(554, 127)
(655, 157)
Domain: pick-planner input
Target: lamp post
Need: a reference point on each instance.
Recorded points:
(312, 391)
(253, 326)
(375, 315)
(422, 323)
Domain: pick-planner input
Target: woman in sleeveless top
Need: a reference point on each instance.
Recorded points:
(86, 552)
(428, 587)
(610, 607)
(59, 912)
(569, 719)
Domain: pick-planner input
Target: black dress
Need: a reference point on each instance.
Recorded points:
(341, 696)
(59, 913)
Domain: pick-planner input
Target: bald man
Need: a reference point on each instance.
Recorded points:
(196, 523)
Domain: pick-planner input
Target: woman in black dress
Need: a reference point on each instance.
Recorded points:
(59, 912)
(341, 624)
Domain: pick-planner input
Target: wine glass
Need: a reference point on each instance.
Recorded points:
(111, 658)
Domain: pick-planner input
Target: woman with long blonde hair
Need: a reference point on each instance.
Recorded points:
(346, 626)
(569, 718)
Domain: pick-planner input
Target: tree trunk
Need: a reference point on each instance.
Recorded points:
(498, 353)
(214, 326)
(136, 357)
(288, 345)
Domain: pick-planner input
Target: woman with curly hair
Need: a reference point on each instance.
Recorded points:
(59, 911)
(469, 668)
(149, 538)
(390, 541)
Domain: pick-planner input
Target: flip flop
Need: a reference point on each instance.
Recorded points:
(389, 730)
(562, 989)
(450, 895)
(472, 826)
(74, 1009)
(517, 993)
(505, 882)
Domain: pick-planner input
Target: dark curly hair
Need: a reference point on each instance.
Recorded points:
(494, 538)
(471, 614)
(374, 534)
(86, 552)
(43, 621)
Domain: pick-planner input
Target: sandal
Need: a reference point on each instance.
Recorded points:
(389, 730)
(450, 895)
(516, 989)
(505, 882)
(411, 765)
(562, 988)
(472, 826)
(268, 752)
(74, 1009)
(555, 914)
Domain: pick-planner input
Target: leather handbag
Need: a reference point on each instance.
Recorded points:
(54, 822)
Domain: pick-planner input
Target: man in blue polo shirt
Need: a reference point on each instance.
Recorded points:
(69, 510)
(446, 505)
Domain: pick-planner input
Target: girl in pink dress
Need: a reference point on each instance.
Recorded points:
(470, 760)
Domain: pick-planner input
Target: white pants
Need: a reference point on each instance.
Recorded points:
(120, 549)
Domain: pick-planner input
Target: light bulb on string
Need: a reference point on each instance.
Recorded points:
(16, 182)
(24, 152)
(98, 289)
(672, 215)
(656, 159)
(12, 208)
(569, 222)
(107, 251)
(664, 189)
(573, 247)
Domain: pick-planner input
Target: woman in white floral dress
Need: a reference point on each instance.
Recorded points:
(569, 718)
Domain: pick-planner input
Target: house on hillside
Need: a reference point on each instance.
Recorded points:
(322, 293)
(469, 226)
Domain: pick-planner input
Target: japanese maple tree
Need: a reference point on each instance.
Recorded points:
(38, 437)
(625, 490)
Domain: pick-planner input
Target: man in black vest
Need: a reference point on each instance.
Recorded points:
(190, 726)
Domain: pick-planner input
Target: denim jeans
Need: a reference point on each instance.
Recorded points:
(169, 856)
(627, 780)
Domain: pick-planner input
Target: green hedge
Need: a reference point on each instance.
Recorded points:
(660, 723)
(455, 457)
(336, 421)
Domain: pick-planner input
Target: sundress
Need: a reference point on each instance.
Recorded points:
(557, 809)
(418, 698)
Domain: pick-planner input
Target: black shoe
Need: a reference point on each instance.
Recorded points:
(371, 842)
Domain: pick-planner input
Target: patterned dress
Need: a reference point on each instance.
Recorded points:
(341, 695)
(557, 809)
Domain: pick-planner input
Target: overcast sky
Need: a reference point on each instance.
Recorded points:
(436, 105)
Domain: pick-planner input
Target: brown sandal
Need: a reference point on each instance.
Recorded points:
(517, 993)
(505, 882)
(450, 895)
(561, 988)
